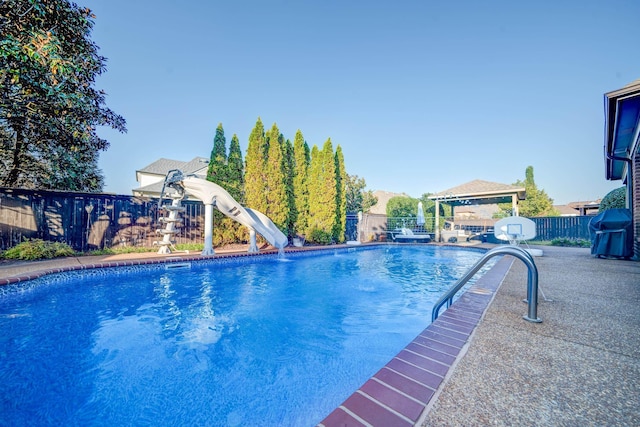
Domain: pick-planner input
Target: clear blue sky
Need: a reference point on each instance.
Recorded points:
(421, 95)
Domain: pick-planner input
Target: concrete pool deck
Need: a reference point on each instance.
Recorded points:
(581, 366)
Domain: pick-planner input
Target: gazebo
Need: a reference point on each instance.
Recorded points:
(477, 192)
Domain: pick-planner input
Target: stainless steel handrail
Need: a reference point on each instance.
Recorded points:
(532, 281)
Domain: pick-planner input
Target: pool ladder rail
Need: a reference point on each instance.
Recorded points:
(532, 281)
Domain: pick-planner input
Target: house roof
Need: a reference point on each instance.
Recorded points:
(622, 129)
(162, 166)
(566, 210)
(479, 192)
(592, 204)
(154, 188)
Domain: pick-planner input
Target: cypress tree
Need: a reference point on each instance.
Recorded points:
(235, 186)
(315, 190)
(216, 171)
(235, 170)
(300, 183)
(289, 163)
(276, 190)
(341, 197)
(254, 179)
(322, 194)
(329, 185)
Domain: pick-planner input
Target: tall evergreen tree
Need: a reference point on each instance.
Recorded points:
(217, 170)
(315, 190)
(301, 158)
(341, 197)
(235, 170)
(322, 194)
(289, 162)
(276, 189)
(255, 188)
(329, 184)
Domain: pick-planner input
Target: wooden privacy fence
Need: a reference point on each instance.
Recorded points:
(569, 227)
(89, 221)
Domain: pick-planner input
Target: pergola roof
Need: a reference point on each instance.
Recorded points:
(622, 128)
(479, 192)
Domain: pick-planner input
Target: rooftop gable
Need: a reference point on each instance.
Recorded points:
(162, 166)
(476, 188)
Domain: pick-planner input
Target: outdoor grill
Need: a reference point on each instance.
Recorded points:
(612, 233)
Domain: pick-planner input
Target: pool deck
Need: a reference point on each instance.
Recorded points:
(480, 363)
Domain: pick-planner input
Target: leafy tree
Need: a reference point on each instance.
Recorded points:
(341, 197)
(49, 106)
(429, 207)
(615, 199)
(358, 200)
(402, 207)
(537, 203)
(301, 159)
(275, 181)
(255, 188)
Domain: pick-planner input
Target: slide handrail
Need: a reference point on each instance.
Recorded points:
(532, 281)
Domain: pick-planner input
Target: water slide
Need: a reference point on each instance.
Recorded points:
(211, 193)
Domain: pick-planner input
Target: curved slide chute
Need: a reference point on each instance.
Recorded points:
(211, 193)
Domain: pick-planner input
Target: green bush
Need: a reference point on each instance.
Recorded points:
(615, 199)
(320, 237)
(34, 249)
(576, 243)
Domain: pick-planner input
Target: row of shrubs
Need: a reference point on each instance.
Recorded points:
(35, 249)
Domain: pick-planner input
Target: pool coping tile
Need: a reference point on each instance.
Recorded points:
(413, 377)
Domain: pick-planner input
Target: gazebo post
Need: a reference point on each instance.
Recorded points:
(437, 225)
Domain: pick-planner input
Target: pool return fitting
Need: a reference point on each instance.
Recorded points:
(532, 281)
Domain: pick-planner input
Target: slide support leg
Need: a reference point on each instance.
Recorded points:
(253, 248)
(208, 230)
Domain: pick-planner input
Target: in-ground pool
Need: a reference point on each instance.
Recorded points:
(242, 341)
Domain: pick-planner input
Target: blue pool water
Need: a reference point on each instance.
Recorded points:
(250, 341)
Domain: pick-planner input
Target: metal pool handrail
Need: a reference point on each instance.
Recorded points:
(532, 281)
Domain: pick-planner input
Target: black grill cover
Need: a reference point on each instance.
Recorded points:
(612, 233)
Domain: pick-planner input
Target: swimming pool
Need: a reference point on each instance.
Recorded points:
(247, 341)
